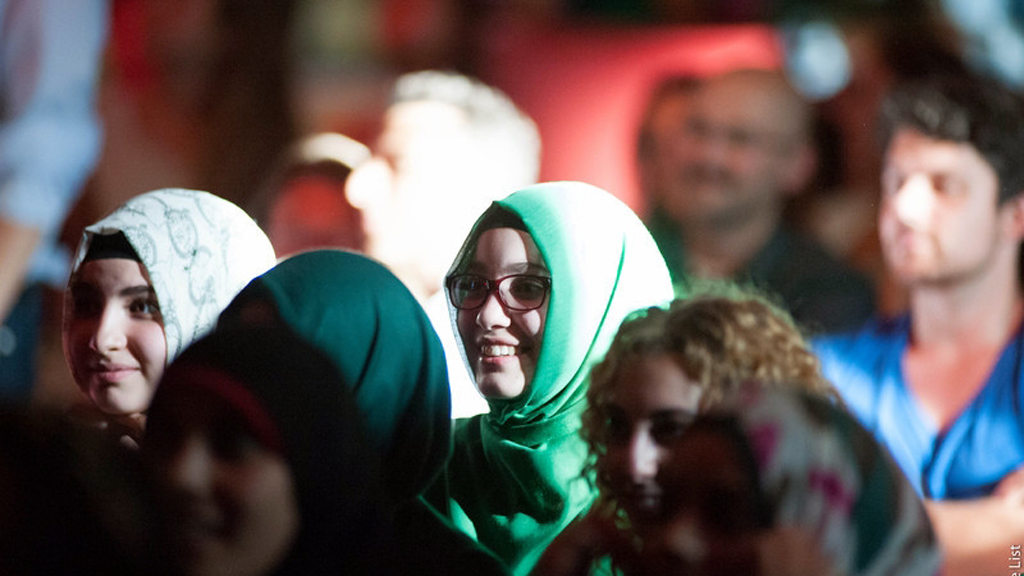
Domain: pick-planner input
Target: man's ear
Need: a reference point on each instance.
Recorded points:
(368, 183)
(1013, 211)
(798, 169)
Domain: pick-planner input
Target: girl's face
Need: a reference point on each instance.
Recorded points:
(503, 344)
(114, 335)
(711, 514)
(651, 405)
(231, 503)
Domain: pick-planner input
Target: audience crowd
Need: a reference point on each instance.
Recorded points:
(408, 357)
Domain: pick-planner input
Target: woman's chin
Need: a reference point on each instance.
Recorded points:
(120, 404)
(500, 386)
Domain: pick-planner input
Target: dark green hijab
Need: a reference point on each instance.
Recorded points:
(516, 475)
(365, 319)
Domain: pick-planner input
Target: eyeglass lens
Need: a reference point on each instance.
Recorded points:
(516, 292)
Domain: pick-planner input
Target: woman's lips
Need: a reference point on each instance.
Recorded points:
(114, 373)
(195, 537)
(642, 505)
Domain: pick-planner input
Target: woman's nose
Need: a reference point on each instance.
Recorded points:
(369, 184)
(110, 331)
(492, 313)
(643, 457)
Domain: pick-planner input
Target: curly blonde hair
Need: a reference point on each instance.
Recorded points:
(720, 339)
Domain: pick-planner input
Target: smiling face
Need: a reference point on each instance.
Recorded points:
(503, 345)
(114, 335)
(939, 220)
(651, 405)
(231, 502)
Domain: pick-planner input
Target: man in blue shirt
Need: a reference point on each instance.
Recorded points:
(941, 385)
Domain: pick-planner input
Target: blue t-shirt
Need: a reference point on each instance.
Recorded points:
(966, 460)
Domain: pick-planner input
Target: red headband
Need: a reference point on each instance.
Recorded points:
(240, 399)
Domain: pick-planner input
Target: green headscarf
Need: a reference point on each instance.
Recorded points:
(365, 319)
(515, 478)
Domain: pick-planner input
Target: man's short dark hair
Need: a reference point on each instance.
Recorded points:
(965, 109)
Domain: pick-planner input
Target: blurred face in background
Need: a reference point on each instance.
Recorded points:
(230, 499)
(736, 161)
(652, 404)
(311, 211)
(419, 194)
(712, 523)
(939, 220)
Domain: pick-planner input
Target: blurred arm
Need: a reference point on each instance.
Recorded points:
(977, 535)
(17, 243)
(50, 53)
(576, 549)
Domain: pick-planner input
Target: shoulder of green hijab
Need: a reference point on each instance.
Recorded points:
(367, 321)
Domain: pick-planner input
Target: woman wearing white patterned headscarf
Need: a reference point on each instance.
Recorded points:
(779, 481)
(146, 281)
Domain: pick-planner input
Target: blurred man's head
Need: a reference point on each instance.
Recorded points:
(448, 147)
(952, 208)
(303, 204)
(661, 131)
(746, 147)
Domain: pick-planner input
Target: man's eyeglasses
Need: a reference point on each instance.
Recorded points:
(519, 292)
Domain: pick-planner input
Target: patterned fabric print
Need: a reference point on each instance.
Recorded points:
(199, 250)
(819, 469)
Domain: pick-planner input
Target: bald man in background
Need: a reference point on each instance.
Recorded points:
(745, 148)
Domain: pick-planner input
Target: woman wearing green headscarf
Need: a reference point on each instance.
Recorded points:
(536, 294)
(364, 319)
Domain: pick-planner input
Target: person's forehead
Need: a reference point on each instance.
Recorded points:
(910, 146)
(655, 382)
(669, 111)
(503, 248)
(756, 103)
(421, 119)
(419, 134)
(110, 271)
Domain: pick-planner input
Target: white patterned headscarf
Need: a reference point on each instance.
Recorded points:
(821, 470)
(199, 250)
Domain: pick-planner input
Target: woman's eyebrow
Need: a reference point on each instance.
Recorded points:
(516, 268)
(539, 269)
(140, 290)
(77, 285)
(674, 414)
